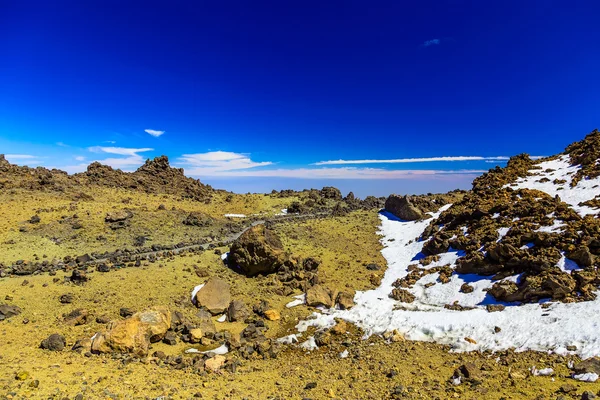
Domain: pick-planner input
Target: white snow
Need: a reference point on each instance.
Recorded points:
(344, 354)
(554, 228)
(283, 212)
(310, 344)
(300, 299)
(222, 318)
(587, 377)
(221, 350)
(541, 372)
(501, 233)
(563, 170)
(524, 327)
(235, 215)
(567, 265)
(224, 256)
(196, 290)
(289, 339)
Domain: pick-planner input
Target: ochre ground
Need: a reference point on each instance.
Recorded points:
(374, 369)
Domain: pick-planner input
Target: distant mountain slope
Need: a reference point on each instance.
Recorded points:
(155, 176)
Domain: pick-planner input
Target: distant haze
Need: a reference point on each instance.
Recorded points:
(360, 187)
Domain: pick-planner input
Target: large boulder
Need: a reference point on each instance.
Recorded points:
(319, 296)
(214, 296)
(257, 251)
(402, 208)
(134, 334)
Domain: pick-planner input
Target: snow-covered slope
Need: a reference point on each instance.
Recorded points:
(547, 326)
(554, 177)
(523, 327)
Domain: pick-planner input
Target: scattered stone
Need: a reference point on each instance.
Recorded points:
(272, 315)
(54, 342)
(466, 288)
(103, 319)
(66, 298)
(78, 277)
(494, 307)
(126, 312)
(214, 296)
(196, 335)
(22, 376)
(118, 216)
(76, 317)
(470, 340)
(587, 395)
(215, 363)
(8, 311)
(237, 311)
(170, 338)
(34, 219)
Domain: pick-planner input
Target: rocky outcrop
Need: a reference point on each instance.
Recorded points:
(214, 296)
(134, 334)
(402, 208)
(257, 251)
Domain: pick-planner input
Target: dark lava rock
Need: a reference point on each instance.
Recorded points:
(257, 251)
(54, 342)
(126, 312)
(402, 208)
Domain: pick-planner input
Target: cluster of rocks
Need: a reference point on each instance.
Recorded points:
(329, 200)
(321, 296)
(473, 225)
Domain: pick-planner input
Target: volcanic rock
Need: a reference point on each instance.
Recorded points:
(257, 251)
(54, 342)
(214, 296)
(402, 208)
(134, 334)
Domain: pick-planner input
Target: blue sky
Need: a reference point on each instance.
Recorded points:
(250, 96)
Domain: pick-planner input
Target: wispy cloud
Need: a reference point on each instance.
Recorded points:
(432, 42)
(217, 162)
(413, 160)
(79, 158)
(132, 157)
(19, 157)
(332, 173)
(153, 132)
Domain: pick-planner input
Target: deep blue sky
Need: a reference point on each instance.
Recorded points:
(295, 83)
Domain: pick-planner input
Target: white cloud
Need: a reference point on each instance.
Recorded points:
(19, 157)
(431, 42)
(412, 160)
(131, 159)
(153, 132)
(217, 163)
(79, 158)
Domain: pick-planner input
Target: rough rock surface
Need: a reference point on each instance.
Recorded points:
(214, 296)
(7, 311)
(134, 334)
(54, 342)
(257, 251)
(319, 296)
(403, 208)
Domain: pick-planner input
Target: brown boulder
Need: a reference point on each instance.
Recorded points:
(402, 208)
(237, 311)
(257, 251)
(214, 296)
(583, 257)
(118, 216)
(345, 300)
(134, 334)
(7, 311)
(319, 296)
